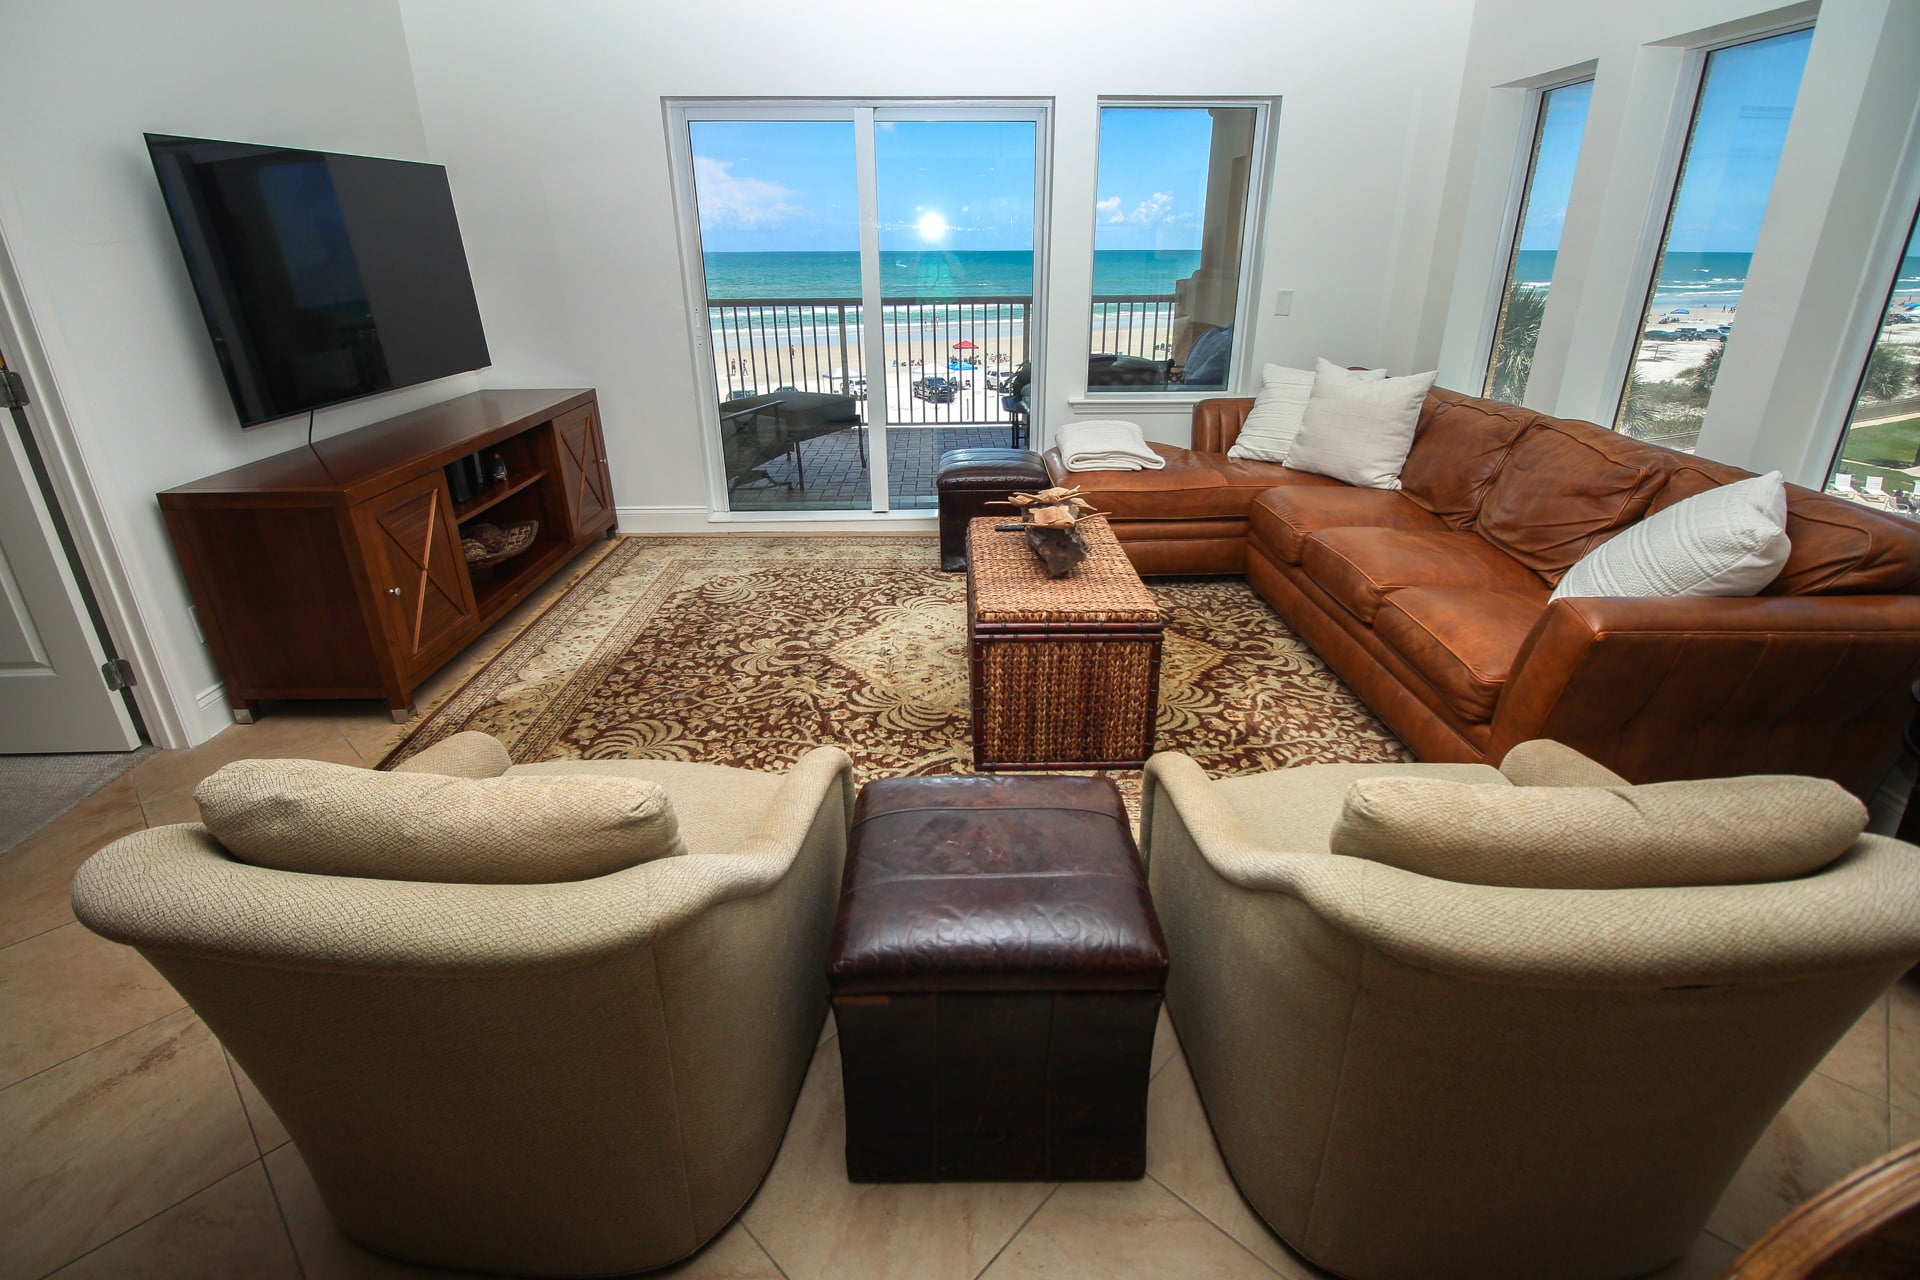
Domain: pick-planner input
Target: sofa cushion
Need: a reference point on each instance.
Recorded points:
(1359, 567)
(1564, 487)
(1704, 832)
(1728, 541)
(1283, 517)
(1458, 447)
(1464, 640)
(1838, 547)
(331, 819)
(1358, 428)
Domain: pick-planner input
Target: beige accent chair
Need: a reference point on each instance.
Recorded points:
(560, 1079)
(1416, 1079)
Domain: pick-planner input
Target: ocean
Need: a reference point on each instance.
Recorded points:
(1697, 279)
(973, 274)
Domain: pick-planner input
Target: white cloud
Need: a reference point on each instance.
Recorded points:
(729, 201)
(1110, 205)
(1154, 210)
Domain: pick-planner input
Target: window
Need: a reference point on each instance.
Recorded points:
(1170, 246)
(1536, 238)
(1733, 149)
(859, 324)
(1880, 451)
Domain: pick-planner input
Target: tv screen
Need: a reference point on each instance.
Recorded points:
(322, 277)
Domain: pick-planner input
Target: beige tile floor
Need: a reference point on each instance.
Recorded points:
(131, 1146)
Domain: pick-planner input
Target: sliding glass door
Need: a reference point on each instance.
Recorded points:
(812, 218)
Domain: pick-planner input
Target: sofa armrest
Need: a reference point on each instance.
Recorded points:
(1688, 687)
(1217, 422)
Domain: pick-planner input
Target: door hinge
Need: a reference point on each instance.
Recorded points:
(118, 673)
(13, 390)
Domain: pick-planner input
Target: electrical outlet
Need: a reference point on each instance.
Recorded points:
(1283, 302)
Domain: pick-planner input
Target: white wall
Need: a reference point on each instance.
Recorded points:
(549, 119)
(1846, 177)
(107, 292)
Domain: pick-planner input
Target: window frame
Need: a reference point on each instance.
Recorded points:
(1252, 246)
(1519, 196)
(1665, 197)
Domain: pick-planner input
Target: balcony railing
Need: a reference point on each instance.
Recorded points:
(949, 359)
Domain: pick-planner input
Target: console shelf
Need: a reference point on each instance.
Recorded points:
(465, 511)
(336, 571)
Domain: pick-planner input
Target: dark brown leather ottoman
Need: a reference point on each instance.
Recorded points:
(967, 480)
(996, 973)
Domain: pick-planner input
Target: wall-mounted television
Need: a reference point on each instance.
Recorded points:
(322, 277)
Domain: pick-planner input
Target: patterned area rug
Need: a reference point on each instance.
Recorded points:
(748, 651)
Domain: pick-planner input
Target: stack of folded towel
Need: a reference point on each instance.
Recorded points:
(1107, 444)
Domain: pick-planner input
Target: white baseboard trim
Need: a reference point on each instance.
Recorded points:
(211, 714)
(700, 520)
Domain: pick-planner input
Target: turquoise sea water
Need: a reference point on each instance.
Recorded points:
(975, 274)
(1696, 279)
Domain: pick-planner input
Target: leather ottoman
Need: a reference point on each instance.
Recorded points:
(967, 480)
(996, 972)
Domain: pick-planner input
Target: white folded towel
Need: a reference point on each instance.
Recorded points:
(1107, 444)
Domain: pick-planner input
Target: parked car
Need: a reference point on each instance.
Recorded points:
(1659, 335)
(935, 390)
(1687, 335)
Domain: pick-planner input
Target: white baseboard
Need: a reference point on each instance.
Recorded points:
(700, 520)
(211, 714)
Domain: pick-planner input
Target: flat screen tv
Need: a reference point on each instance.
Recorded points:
(322, 277)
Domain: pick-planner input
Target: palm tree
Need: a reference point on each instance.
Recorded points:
(1702, 376)
(1888, 374)
(1519, 335)
(1637, 418)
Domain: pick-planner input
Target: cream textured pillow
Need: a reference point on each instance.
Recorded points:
(1710, 831)
(331, 819)
(1358, 429)
(1274, 420)
(1730, 541)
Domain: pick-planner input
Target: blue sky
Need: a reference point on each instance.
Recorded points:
(789, 185)
(1563, 122)
(1745, 105)
(952, 185)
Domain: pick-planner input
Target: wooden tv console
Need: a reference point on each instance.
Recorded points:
(336, 571)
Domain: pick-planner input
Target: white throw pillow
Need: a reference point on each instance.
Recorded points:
(1730, 541)
(1274, 420)
(1359, 429)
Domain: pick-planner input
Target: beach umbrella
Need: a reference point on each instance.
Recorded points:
(965, 344)
(1680, 311)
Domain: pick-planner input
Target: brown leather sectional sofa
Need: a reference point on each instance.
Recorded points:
(1431, 600)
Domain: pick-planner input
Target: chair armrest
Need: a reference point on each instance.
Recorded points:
(1857, 913)
(1217, 422)
(175, 890)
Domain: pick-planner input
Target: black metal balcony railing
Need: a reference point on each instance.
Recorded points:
(948, 358)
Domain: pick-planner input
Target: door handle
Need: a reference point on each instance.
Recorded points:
(393, 591)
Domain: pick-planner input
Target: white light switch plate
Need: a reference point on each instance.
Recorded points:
(1283, 302)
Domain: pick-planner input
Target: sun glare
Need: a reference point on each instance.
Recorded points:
(932, 226)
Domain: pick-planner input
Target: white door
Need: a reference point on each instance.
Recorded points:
(53, 697)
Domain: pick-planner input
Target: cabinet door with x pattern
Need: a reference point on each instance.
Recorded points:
(418, 572)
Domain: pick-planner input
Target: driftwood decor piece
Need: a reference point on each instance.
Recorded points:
(1050, 518)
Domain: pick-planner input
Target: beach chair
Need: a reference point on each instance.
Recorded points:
(1842, 484)
(1875, 490)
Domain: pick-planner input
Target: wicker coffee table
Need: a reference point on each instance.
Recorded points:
(1065, 672)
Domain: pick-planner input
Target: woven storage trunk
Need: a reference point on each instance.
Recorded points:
(1065, 672)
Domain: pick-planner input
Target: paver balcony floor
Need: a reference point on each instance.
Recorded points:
(836, 476)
